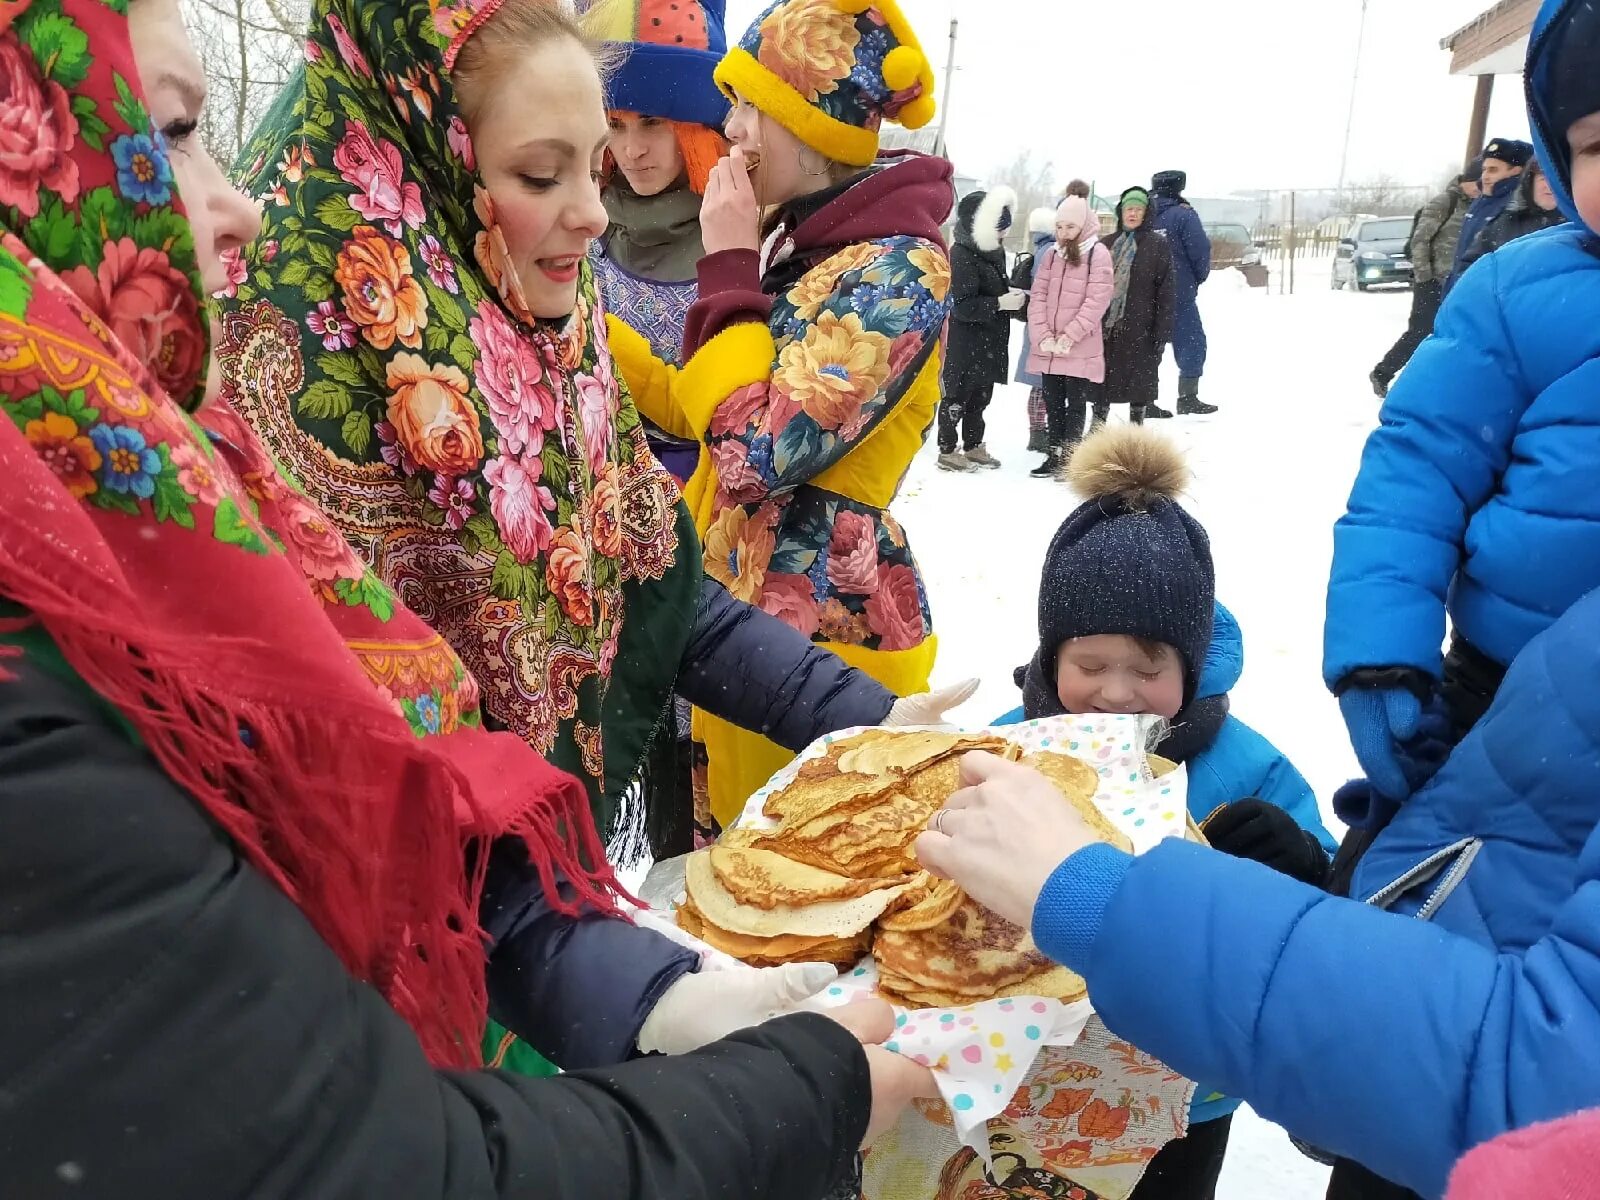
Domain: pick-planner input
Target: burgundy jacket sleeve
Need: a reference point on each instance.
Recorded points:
(730, 294)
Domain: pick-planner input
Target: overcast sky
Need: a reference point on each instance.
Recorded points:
(1241, 93)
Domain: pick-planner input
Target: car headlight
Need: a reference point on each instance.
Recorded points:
(1369, 256)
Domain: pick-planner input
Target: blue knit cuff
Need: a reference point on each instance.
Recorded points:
(1072, 907)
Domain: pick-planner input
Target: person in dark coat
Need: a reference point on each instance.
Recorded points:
(264, 873)
(215, 1045)
(1504, 161)
(1533, 207)
(982, 303)
(1433, 251)
(1139, 322)
(1177, 221)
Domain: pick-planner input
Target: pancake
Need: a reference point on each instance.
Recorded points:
(768, 880)
(1077, 781)
(830, 918)
(973, 952)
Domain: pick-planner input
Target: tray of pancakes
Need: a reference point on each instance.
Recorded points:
(833, 877)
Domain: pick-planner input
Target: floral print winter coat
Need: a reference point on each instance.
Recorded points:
(811, 379)
(810, 418)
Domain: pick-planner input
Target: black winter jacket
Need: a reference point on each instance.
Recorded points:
(174, 1028)
(1136, 344)
(979, 348)
(760, 673)
(1521, 217)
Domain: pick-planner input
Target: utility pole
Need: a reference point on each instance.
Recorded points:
(1350, 117)
(949, 86)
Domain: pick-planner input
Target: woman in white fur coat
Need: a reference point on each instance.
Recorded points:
(982, 304)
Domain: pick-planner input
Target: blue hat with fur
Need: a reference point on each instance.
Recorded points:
(670, 50)
(1563, 85)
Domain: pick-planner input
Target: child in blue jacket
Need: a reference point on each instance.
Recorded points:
(1403, 1038)
(1128, 623)
(1476, 500)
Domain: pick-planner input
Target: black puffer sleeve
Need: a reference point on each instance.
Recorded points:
(174, 1029)
(752, 670)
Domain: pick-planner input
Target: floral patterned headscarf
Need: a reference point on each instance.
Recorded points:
(275, 680)
(488, 466)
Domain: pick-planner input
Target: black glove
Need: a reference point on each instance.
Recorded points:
(1264, 833)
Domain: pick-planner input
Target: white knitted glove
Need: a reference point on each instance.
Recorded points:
(929, 708)
(1012, 300)
(709, 1005)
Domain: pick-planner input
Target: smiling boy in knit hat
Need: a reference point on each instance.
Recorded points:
(1128, 623)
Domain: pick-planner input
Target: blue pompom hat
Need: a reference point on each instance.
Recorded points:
(671, 49)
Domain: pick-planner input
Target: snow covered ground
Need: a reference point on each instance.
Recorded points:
(1272, 472)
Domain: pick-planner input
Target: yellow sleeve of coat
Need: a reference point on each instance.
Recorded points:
(649, 380)
(738, 357)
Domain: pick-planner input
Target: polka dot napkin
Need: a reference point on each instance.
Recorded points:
(982, 1053)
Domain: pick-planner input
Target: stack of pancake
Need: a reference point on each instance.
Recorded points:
(838, 877)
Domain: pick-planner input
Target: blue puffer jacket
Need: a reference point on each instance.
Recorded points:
(1399, 1042)
(1191, 248)
(1238, 765)
(1477, 493)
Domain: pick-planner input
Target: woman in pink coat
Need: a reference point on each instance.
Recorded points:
(1071, 293)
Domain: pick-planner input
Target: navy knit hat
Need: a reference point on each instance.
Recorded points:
(1130, 560)
(1170, 184)
(1510, 151)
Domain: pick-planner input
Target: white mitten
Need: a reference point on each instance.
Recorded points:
(929, 708)
(709, 1005)
(1012, 300)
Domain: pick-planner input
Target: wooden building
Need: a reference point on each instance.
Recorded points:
(1495, 43)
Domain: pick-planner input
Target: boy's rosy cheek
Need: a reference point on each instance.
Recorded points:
(1586, 190)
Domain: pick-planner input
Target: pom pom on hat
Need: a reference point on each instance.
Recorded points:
(1130, 463)
(902, 66)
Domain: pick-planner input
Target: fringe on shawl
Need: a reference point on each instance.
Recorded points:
(334, 801)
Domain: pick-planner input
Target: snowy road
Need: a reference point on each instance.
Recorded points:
(1272, 471)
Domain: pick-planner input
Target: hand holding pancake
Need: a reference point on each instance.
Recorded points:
(836, 877)
(700, 1009)
(929, 708)
(730, 215)
(1004, 833)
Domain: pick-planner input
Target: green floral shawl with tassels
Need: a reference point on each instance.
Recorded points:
(488, 466)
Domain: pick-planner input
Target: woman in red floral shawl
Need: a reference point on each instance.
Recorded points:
(238, 780)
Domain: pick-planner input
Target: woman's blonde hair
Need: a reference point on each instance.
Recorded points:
(515, 28)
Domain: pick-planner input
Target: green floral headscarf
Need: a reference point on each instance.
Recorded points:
(488, 466)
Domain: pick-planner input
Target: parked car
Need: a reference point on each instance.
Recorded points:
(1235, 246)
(1377, 253)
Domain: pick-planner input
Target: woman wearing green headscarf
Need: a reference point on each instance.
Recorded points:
(417, 337)
(237, 779)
